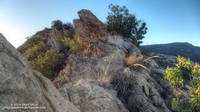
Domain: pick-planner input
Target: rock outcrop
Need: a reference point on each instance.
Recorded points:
(141, 90)
(20, 86)
(114, 77)
(88, 25)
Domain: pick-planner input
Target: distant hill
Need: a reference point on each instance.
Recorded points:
(175, 49)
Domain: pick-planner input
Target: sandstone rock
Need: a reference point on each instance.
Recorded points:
(92, 32)
(88, 25)
(89, 97)
(21, 85)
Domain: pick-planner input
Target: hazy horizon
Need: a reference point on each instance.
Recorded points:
(167, 20)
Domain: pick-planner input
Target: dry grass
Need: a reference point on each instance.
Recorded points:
(123, 81)
(90, 50)
(133, 59)
(140, 65)
(152, 57)
(103, 78)
(138, 61)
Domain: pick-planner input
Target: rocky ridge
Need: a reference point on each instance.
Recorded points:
(139, 89)
(118, 79)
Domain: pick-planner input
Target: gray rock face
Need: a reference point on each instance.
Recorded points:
(88, 96)
(140, 91)
(21, 85)
(127, 46)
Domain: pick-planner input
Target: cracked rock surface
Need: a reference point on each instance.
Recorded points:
(19, 84)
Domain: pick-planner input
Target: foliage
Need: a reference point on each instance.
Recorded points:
(72, 43)
(41, 57)
(184, 63)
(49, 63)
(120, 21)
(175, 75)
(33, 52)
(177, 104)
(31, 42)
(196, 71)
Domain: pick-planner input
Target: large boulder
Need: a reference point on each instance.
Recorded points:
(20, 85)
(88, 96)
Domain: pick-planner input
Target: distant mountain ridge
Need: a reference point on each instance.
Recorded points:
(184, 49)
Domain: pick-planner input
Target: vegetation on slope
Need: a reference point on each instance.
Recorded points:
(41, 57)
(185, 78)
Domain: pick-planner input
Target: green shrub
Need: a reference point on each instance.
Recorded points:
(31, 42)
(196, 71)
(184, 63)
(120, 21)
(49, 64)
(175, 77)
(41, 57)
(194, 99)
(72, 43)
(36, 50)
(177, 104)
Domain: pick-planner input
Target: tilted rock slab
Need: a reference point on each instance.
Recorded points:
(88, 96)
(21, 85)
(88, 25)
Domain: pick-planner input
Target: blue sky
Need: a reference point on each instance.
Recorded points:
(167, 20)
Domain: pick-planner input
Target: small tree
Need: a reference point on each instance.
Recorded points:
(121, 22)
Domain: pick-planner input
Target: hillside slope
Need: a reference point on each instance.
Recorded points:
(186, 50)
